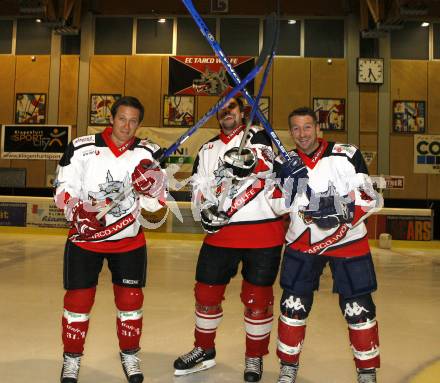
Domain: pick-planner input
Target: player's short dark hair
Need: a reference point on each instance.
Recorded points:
(128, 101)
(303, 111)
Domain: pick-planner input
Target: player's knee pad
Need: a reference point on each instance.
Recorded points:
(209, 295)
(257, 299)
(77, 304)
(295, 306)
(128, 298)
(79, 300)
(358, 309)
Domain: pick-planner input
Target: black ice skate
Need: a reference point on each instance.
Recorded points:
(366, 375)
(131, 366)
(288, 373)
(196, 360)
(253, 369)
(70, 370)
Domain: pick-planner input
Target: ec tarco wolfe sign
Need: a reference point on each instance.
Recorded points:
(34, 142)
(206, 75)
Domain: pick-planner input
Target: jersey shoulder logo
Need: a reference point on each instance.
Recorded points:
(347, 149)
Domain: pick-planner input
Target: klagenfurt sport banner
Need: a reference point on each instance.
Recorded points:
(206, 75)
(427, 153)
(34, 142)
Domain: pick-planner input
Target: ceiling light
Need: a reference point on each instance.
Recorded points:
(425, 24)
(291, 21)
(161, 21)
(38, 20)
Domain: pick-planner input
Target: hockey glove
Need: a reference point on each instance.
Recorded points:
(240, 165)
(213, 219)
(85, 221)
(292, 173)
(148, 179)
(332, 212)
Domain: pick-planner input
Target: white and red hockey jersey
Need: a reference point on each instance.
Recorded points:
(253, 223)
(94, 169)
(342, 168)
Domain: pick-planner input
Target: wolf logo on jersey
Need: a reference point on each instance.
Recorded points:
(110, 189)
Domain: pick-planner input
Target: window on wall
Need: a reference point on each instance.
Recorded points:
(368, 47)
(113, 35)
(6, 36)
(71, 45)
(289, 42)
(411, 42)
(240, 37)
(190, 40)
(324, 38)
(154, 37)
(436, 33)
(32, 38)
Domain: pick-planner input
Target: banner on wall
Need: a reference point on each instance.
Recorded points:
(388, 182)
(427, 154)
(45, 214)
(411, 228)
(12, 214)
(206, 75)
(34, 142)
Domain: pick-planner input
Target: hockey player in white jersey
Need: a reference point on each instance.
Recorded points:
(92, 172)
(328, 202)
(228, 193)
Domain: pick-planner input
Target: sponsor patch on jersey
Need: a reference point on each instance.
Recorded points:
(347, 149)
(83, 140)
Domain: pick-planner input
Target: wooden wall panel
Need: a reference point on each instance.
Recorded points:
(143, 79)
(409, 80)
(291, 88)
(433, 97)
(32, 77)
(68, 101)
(203, 103)
(433, 187)
(368, 142)
(328, 80)
(368, 108)
(335, 136)
(267, 91)
(7, 81)
(107, 74)
(402, 164)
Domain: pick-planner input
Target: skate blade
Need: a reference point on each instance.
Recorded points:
(200, 367)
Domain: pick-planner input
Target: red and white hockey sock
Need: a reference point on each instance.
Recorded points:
(258, 326)
(129, 302)
(364, 339)
(291, 334)
(258, 317)
(75, 322)
(209, 313)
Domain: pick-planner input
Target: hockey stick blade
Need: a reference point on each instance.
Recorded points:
(249, 77)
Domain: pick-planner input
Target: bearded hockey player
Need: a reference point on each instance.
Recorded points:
(93, 171)
(328, 202)
(241, 227)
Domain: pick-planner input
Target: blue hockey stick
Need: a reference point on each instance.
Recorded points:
(293, 162)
